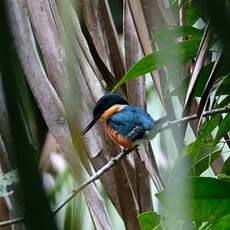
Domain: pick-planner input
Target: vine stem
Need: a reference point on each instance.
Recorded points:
(116, 159)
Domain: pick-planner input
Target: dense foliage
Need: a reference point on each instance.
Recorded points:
(57, 59)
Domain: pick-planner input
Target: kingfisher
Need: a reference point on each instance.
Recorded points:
(125, 124)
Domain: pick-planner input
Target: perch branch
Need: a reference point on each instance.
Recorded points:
(116, 159)
(94, 177)
(10, 222)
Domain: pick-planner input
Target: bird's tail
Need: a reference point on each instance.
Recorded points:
(162, 120)
(159, 123)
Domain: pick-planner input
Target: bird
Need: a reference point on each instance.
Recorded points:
(125, 124)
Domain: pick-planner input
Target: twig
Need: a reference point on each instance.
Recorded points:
(94, 177)
(169, 124)
(10, 222)
(116, 159)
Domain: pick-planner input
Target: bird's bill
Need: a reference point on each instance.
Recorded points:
(90, 125)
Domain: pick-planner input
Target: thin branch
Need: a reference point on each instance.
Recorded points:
(169, 124)
(116, 159)
(122, 154)
(94, 177)
(10, 222)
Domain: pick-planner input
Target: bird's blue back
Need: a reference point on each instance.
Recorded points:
(130, 117)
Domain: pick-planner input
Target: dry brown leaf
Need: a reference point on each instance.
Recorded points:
(49, 103)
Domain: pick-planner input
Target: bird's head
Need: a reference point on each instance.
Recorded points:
(102, 105)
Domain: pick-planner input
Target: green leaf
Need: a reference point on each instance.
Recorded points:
(207, 156)
(225, 171)
(223, 128)
(222, 223)
(203, 152)
(169, 34)
(207, 198)
(175, 54)
(209, 126)
(182, 87)
(224, 102)
(224, 87)
(193, 11)
(6, 180)
(226, 167)
(202, 156)
(149, 220)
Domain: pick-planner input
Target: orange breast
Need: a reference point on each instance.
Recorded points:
(113, 134)
(118, 138)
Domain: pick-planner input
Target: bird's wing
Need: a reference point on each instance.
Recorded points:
(127, 124)
(136, 133)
